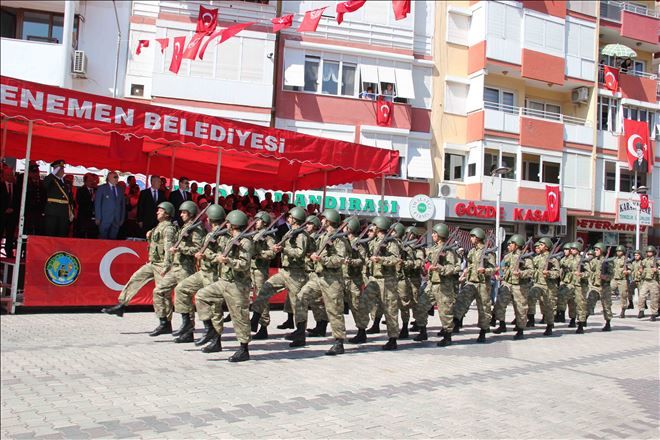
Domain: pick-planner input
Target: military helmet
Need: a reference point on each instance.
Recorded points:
(517, 239)
(650, 248)
(298, 213)
(189, 206)
(399, 229)
(590, 252)
(216, 213)
(414, 231)
(546, 241)
(621, 248)
(638, 252)
(566, 246)
(331, 215)
(441, 229)
(353, 225)
(237, 218)
(600, 246)
(479, 233)
(576, 245)
(537, 244)
(263, 216)
(313, 220)
(167, 207)
(381, 222)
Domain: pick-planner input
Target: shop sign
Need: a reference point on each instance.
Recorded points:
(626, 212)
(509, 212)
(590, 224)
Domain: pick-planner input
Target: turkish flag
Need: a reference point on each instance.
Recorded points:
(635, 146)
(164, 43)
(125, 147)
(282, 22)
(644, 201)
(224, 34)
(193, 46)
(384, 111)
(611, 78)
(207, 20)
(141, 44)
(311, 20)
(348, 6)
(552, 202)
(401, 8)
(177, 54)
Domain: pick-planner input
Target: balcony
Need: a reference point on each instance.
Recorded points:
(612, 10)
(37, 61)
(634, 21)
(642, 86)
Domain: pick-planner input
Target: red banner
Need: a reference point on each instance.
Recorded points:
(611, 78)
(635, 147)
(552, 202)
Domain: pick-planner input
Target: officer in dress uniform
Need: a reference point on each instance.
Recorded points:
(59, 202)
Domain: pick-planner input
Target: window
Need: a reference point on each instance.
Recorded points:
(454, 166)
(641, 114)
(494, 159)
(577, 171)
(610, 176)
(543, 35)
(455, 97)
(627, 179)
(638, 66)
(607, 114)
(472, 170)
(531, 164)
(348, 79)
(541, 109)
(330, 83)
(551, 172)
(311, 73)
(43, 26)
(580, 49)
(497, 99)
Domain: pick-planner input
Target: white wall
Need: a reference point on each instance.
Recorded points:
(32, 61)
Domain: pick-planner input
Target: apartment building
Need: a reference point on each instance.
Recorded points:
(520, 86)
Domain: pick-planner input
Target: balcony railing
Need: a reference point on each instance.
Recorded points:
(526, 111)
(611, 10)
(601, 74)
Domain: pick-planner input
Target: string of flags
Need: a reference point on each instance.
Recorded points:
(207, 22)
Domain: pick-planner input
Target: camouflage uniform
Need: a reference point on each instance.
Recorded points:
(574, 284)
(510, 290)
(442, 283)
(477, 286)
(310, 294)
(183, 268)
(382, 286)
(649, 285)
(263, 255)
(636, 279)
(599, 287)
(545, 286)
(619, 281)
(563, 295)
(412, 273)
(354, 276)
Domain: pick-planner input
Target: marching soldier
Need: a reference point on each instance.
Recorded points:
(375, 311)
(311, 292)
(444, 267)
(635, 274)
(382, 286)
(619, 280)
(233, 285)
(291, 276)
(510, 288)
(354, 275)
(545, 273)
(649, 283)
(160, 239)
(412, 271)
(207, 275)
(580, 309)
(562, 298)
(598, 284)
(263, 255)
(532, 297)
(397, 232)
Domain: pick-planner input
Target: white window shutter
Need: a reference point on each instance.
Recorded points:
(404, 83)
(294, 67)
(497, 19)
(458, 26)
(419, 162)
(455, 98)
(369, 73)
(513, 23)
(475, 95)
(587, 42)
(554, 37)
(573, 39)
(386, 74)
(534, 32)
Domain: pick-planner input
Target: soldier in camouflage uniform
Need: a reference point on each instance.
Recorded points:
(382, 286)
(619, 280)
(160, 240)
(311, 292)
(375, 309)
(532, 294)
(649, 286)
(635, 277)
(292, 275)
(599, 288)
(579, 310)
(405, 295)
(191, 237)
(443, 270)
(233, 285)
(263, 255)
(510, 288)
(412, 270)
(545, 274)
(354, 274)
(562, 297)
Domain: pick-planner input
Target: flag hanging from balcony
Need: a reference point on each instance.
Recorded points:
(311, 20)
(193, 46)
(635, 146)
(164, 42)
(224, 34)
(177, 54)
(401, 8)
(282, 22)
(611, 78)
(207, 20)
(644, 201)
(141, 44)
(384, 110)
(348, 6)
(552, 202)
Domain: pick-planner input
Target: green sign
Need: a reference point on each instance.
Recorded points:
(358, 205)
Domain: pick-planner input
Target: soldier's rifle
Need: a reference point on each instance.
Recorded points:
(213, 236)
(553, 253)
(245, 233)
(292, 233)
(447, 245)
(386, 239)
(269, 230)
(187, 229)
(523, 253)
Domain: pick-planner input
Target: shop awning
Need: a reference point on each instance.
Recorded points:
(102, 132)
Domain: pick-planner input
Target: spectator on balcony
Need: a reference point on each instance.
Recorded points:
(388, 93)
(368, 94)
(626, 65)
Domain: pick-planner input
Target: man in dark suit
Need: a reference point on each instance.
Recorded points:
(10, 202)
(110, 207)
(59, 202)
(177, 197)
(85, 225)
(148, 201)
(35, 200)
(641, 165)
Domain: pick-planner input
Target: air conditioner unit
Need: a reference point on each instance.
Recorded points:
(446, 190)
(580, 95)
(79, 63)
(545, 231)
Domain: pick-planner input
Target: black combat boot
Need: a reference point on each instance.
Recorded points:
(513, 321)
(209, 333)
(422, 336)
(460, 322)
(403, 334)
(548, 330)
(640, 315)
(375, 327)
(337, 348)
(493, 321)
(530, 320)
(519, 335)
(631, 306)
(501, 328)
(562, 316)
(177, 332)
(165, 327)
(261, 334)
(571, 324)
(360, 338)
(457, 326)
(482, 337)
(187, 326)
(446, 340)
(115, 310)
(227, 318)
(215, 345)
(254, 321)
(298, 336)
(431, 311)
(607, 327)
(414, 327)
(390, 345)
(580, 328)
(288, 323)
(623, 313)
(654, 317)
(241, 355)
(542, 321)
(347, 308)
(319, 331)
(442, 332)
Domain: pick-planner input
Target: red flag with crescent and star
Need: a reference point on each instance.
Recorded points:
(552, 202)
(644, 201)
(193, 46)
(611, 78)
(177, 54)
(164, 42)
(224, 34)
(125, 147)
(384, 110)
(207, 20)
(311, 20)
(282, 22)
(635, 147)
(348, 6)
(141, 44)
(401, 8)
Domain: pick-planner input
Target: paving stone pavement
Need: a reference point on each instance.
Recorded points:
(78, 376)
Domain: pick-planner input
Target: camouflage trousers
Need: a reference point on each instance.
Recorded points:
(311, 296)
(511, 293)
(236, 294)
(163, 305)
(444, 294)
(621, 286)
(259, 277)
(384, 293)
(332, 289)
(547, 296)
(577, 303)
(604, 294)
(650, 290)
(481, 293)
(186, 289)
(291, 279)
(566, 293)
(357, 301)
(148, 272)
(562, 298)
(418, 303)
(405, 298)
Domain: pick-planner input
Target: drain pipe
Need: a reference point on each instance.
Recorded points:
(114, 86)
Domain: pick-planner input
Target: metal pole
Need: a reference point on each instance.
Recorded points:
(172, 169)
(637, 210)
(5, 123)
(497, 223)
(146, 177)
(217, 178)
(21, 222)
(114, 86)
(325, 187)
(382, 191)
